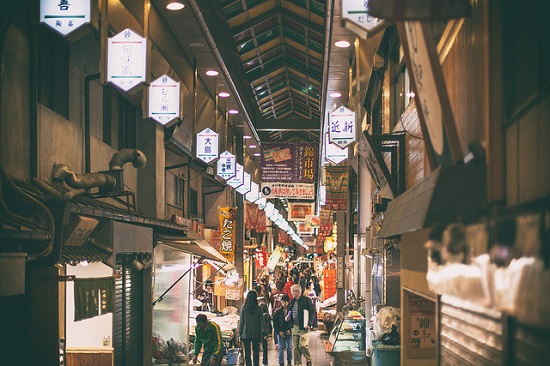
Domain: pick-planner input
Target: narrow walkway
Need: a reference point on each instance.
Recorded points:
(316, 347)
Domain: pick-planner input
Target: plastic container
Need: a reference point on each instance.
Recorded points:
(232, 356)
(386, 356)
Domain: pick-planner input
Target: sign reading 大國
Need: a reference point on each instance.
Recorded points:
(207, 145)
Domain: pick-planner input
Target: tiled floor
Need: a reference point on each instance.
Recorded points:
(316, 347)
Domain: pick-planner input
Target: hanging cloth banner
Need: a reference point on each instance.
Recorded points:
(336, 182)
(228, 221)
(93, 297)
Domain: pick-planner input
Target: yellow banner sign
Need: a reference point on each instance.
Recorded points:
(228, 220)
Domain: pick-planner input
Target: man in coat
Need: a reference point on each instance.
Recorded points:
(301, 314)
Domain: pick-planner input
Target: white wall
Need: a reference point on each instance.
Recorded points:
(89, 332)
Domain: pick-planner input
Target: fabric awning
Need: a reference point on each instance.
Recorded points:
(449, 193)
(192, 243)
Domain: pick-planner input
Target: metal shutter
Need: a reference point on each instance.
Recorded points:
(470, 336)
(128, 316)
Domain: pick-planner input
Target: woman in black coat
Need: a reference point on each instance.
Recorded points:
(251, 328)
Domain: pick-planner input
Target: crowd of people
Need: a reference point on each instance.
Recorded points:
(285, 314)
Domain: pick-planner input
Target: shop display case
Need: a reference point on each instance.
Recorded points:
(347, 342)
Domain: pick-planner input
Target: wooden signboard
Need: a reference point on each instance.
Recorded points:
(432, 100)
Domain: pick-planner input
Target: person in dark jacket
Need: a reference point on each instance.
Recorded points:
(301, 314)
(283, 331)
(208, 334)
(252, 328)
(267, 333)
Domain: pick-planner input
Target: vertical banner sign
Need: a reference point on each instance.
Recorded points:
(276, 254)
(126, 59)
(226, 165)
(63, 15)
(228, 221)
(245, 187)
(342, 127)
(334, 153)
(164, 100)
(336, 181)
(207, 145)
(260, 258)
(432, 100)
(238, 179)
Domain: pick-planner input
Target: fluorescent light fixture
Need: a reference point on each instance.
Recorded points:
(233, 111)
(335, 95)
(223, 94)
(212, 73)
(252, 146)
(175, 6)
(342, 44)
(247, 137)
(257, 154)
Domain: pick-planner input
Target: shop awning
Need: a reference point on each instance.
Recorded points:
(192, 243)
(449, 193)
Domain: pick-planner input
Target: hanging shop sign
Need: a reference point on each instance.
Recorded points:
(260, 258)
(355, 11)
(432, 100)
(312, 221)
(342, 127)
(164, 100)
(226, 165)
(303, 229)
(298, 191)
(254, 193)
(238, 178)
(370, 157)
(336, 181)
(126, 59)
(65, 16)
(297, 211)
(287, 162)
(333, 153)
(228, 220)
(207, 145)
(276, 254)
(245, 187)
(430, 10)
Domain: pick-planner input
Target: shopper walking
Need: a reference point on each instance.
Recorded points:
(301, 314)
(283, 331)
(251, 328)
(268, 331)
(209, 336)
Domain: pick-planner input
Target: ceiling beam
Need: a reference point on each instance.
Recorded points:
(287, 124)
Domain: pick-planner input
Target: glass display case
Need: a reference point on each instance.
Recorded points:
(347, 343)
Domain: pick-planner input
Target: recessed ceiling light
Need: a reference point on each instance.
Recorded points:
(335, 95)
(223, 94)
(233, 111)
(257, 154)
(252, 146)
(196, 44)
(175, 6)
(342, 44)
(212, 73)
(247, 137)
